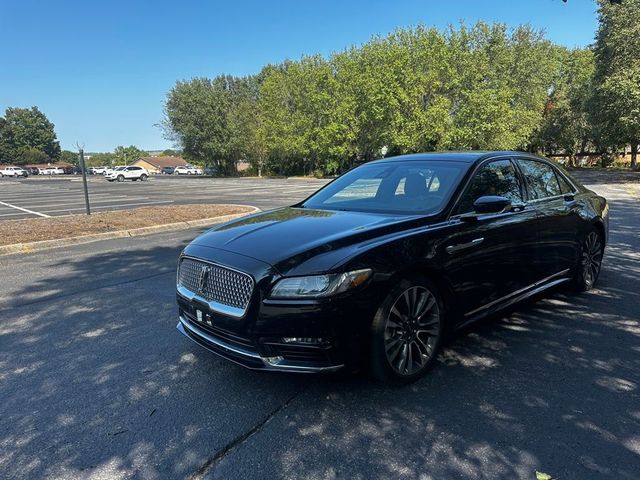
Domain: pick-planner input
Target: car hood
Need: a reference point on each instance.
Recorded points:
(286, 237)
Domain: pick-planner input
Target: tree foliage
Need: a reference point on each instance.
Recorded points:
(67, 156)
(566, 125)
(417, 89)
(126, 155)
(616, 103)
(27, 136)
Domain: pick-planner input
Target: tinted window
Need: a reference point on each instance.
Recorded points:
(497, 178)
(565, 187)
(396, 187)
(541, 179)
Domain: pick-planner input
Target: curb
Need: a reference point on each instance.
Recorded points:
(134, 232)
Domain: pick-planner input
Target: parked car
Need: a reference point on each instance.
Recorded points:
(168, 170)
(98, 170)
(375, 267)
(187, 170)
(127, 173)
(6, 171)
(51, 171)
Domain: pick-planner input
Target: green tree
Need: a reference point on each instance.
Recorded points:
(500, 86)
(128, 155)
(296, 103)
(30, 156)
(23, 130)
(100, 159)
(196, 114)
(566, 127)
(616, 103)
(67, 156)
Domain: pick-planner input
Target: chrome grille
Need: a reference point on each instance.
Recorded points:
(218, 285)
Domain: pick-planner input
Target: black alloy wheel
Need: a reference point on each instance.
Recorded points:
(407, 332)
(590, 261)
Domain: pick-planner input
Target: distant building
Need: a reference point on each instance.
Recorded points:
(155, 164)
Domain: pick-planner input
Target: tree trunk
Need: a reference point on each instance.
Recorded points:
(634, 155)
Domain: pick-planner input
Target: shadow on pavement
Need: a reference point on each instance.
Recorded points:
(98, 384)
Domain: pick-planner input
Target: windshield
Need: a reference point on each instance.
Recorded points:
(411, 187)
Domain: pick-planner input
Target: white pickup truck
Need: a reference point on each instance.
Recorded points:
(6, 171)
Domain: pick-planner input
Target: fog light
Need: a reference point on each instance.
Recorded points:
(272, 361)
(307, 340)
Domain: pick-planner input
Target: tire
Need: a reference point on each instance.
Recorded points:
(188, 173)
(1, 175)
(402, 351)
(121, 178)
(144, 177)
(589, 264)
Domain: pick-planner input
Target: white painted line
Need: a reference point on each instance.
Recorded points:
(24, 210)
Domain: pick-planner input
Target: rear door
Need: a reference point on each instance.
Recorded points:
(488, 259)
(553, 198)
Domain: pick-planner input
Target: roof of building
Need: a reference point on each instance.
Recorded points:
(160, 162)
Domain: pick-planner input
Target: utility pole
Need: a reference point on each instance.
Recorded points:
(84, 178)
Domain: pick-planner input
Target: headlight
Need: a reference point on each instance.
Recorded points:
(315, 286)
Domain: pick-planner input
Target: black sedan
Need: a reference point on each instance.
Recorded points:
(376, 267)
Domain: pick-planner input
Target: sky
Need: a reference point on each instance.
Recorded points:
(100, 71)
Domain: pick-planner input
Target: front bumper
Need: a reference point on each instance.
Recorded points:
(243, 351)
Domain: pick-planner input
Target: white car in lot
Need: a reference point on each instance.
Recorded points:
(98, 170)
(51, 171)
(13, 172)
(187, 170)
(132, 172)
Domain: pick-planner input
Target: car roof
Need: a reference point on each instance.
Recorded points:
(469, 157)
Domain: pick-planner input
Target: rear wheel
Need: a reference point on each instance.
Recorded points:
(143, 177)
(590, 261)
(407, 332)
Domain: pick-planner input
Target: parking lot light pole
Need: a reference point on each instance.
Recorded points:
(84, 181)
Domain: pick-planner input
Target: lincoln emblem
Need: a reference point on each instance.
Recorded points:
(204, 277)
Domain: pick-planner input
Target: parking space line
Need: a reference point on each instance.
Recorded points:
(24, 209)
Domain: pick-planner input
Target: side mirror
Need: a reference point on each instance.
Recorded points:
(491, 204)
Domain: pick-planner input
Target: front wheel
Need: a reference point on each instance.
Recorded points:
(121, 178)
(590, 261)
(407, 332)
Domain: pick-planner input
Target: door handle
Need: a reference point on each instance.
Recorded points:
(463, 246)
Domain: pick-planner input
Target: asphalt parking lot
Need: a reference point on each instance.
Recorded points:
(36, 197)
(96, 383)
